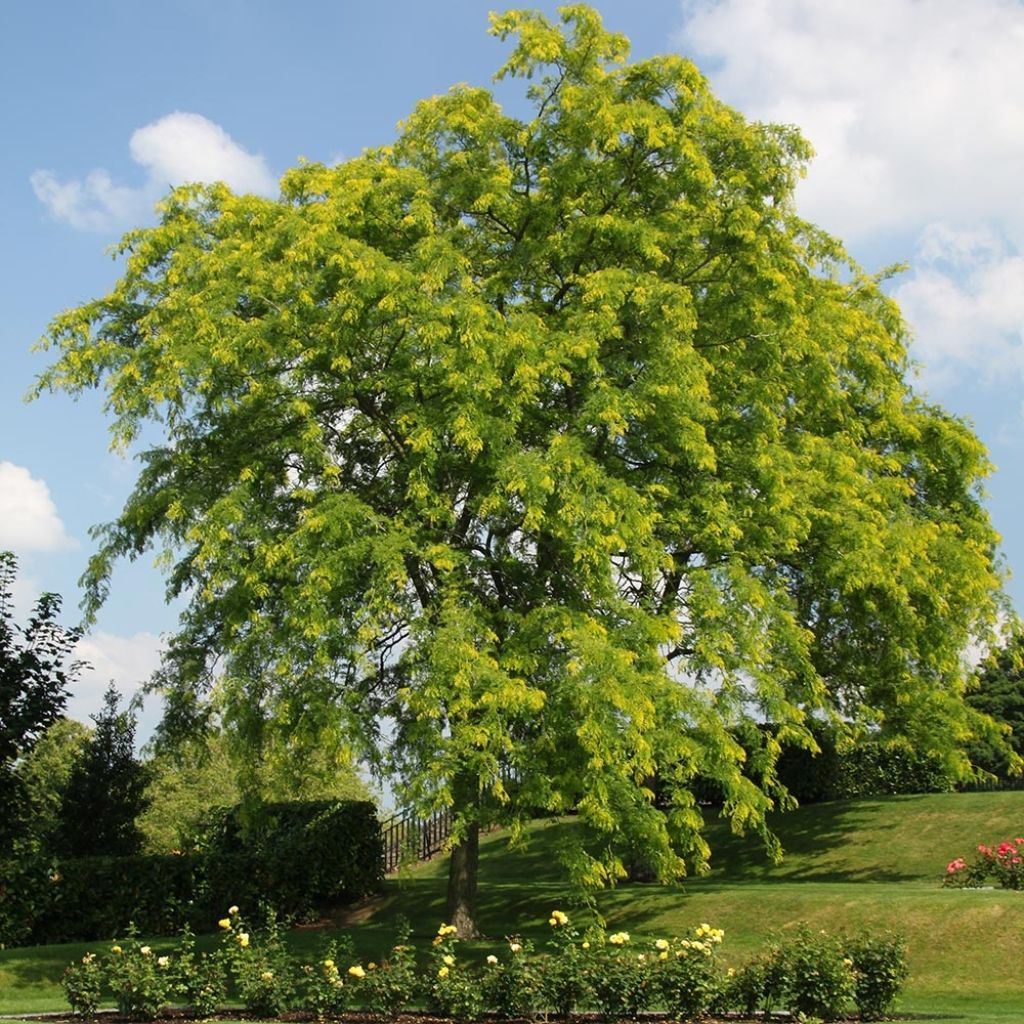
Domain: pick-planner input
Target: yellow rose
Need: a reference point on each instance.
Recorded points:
(443, 973)
(661, 944)
(514, 946)
(356, 971)
(267, 976)
(225, 923)
(329, 964)
(448, 961)
(492, 959)
(115, 949)
(243, 939)
(232, 910)
(145, 951)
(162, 961)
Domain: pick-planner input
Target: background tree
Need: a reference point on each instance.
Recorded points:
(535, 454)
(44, 774)
(105, 791)
(35, 672)
(998, 692)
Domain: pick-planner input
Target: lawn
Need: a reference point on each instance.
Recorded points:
(850, 865)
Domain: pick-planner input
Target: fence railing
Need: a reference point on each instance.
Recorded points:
(409, 837)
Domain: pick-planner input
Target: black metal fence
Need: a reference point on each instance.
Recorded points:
(410, 838)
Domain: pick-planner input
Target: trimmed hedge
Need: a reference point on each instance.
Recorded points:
(292, 857)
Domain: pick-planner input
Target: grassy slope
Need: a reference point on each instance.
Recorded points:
(849, 865)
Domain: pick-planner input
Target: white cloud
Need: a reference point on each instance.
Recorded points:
(128, 662)
(966, 302)
(178, 148)
(915, 107)
(28, 516)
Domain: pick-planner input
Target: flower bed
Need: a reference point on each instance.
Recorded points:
(617, 976)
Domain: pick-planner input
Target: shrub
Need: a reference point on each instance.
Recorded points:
(1003, 864)
(82, 983)
(565, 978)
(820, 975)
(511, 984)
(141, 981)
(760, 984)
(263, 971)
(451, 990)
(324, 851)
(879, 970)
(392, 986)
(201, 980)
(621, 978)
(691, 980)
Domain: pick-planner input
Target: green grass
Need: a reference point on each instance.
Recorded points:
(849, 865)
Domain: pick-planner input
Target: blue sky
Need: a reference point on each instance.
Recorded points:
(915, 107)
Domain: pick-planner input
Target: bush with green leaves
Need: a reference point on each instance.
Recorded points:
(621, 978)
(322, 987)
(565, 972)
(393, 985)
(880, 971)
(200, 981)
(260, 965)
(511, 983)
(142, 981)
(83, 982)
(451, 989)
(820, 974)
(759, 985)
(690, 979)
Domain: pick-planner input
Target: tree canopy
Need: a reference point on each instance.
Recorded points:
(534, 454)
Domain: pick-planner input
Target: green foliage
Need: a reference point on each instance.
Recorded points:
(565, 978)
(880, 972)
(819, 973)
(291, 857)
(44, 773)
(812, 972)
(35, 673)
(83, 984)
(621, 981)
(452, 991)
(691, 980)
(299, 855)
(392, 987)
(512, 984)
(105, 791)
(140, 980)
(200, 981)
(263, 971)
(998, 691)
(563, 443)
(188, 782)
(846, 767)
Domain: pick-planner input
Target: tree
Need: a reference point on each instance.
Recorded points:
(105, 791)
(998, 692)
(537, 453)
(44, 773)
(35, 673)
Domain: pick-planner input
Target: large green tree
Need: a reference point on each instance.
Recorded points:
(536, 453)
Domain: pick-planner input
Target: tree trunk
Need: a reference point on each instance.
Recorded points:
(462, 872)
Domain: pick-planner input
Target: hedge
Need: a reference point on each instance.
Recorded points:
(292, 857)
